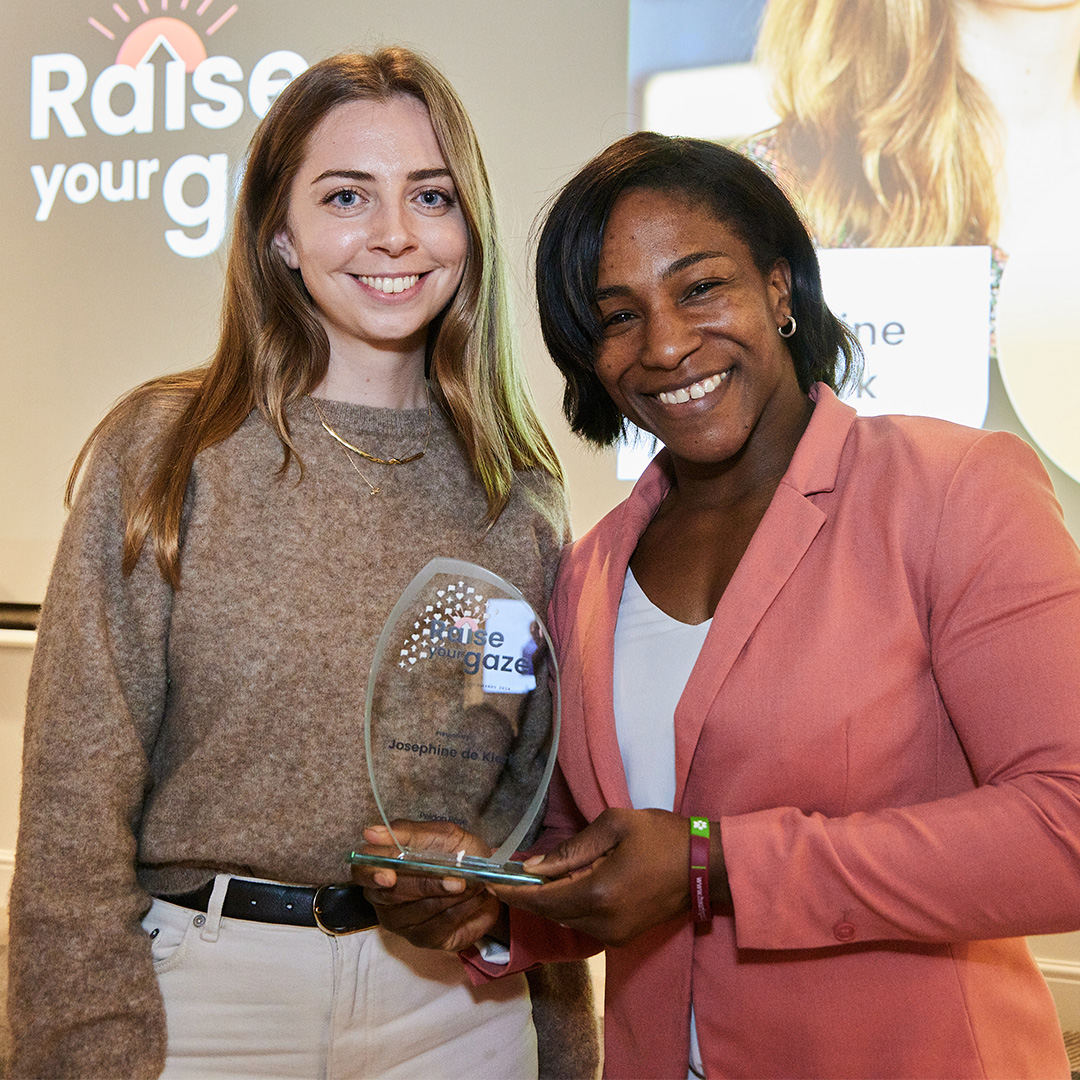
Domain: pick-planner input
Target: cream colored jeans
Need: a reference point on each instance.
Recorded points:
(247, 999)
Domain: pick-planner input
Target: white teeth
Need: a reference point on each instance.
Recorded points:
(694, 391)
(391, 284)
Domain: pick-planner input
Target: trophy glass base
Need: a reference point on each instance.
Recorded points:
(440, 864)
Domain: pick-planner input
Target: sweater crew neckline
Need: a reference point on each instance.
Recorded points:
(346, 417)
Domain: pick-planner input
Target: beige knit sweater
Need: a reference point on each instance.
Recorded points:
(172, 735)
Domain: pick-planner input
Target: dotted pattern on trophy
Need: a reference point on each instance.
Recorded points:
(457, 607)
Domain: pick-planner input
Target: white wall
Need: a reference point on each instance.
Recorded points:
(1059, 960)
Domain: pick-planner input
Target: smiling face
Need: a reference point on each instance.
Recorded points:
(690, 349)
(375, 229)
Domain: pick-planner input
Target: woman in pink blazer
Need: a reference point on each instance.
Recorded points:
(851, 646)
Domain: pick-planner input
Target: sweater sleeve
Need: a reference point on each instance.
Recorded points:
(84, 1001)
(552, 523)
(1003, 858)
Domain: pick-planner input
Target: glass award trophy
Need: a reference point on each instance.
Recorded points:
(461, 721)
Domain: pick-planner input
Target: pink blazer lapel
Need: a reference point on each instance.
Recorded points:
(786, 531)
(781, 540)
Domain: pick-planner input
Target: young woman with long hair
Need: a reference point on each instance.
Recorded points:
(892, 141)
(194, 774)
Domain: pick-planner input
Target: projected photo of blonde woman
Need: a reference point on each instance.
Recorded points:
(911, 123)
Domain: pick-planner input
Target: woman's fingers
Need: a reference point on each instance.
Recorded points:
(443, 922)
(579, 851)
(640, 878)
(398, 884)
(430, 912)
(442, 836)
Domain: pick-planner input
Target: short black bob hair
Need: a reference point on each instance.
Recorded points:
(739, 194)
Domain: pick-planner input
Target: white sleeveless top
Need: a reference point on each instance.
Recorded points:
(654, 655)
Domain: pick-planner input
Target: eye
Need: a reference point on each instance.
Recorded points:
(346, 198)
(615, 320)
(702, 288)
(435, 199)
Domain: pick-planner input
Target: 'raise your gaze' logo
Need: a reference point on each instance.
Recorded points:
(162, 73)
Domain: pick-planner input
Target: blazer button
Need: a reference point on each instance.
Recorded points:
(844, 931)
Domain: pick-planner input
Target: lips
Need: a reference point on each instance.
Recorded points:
(694, 391)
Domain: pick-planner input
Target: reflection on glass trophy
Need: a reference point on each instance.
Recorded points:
(461, 721)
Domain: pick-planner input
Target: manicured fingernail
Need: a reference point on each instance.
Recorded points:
(384, 879)
(534, 860)
(453, 884)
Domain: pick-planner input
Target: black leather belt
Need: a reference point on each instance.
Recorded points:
(334, 909)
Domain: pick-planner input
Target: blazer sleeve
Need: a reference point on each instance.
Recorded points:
(84, 1001)
(1003, 858)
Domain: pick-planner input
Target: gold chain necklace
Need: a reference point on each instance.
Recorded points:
(347, 446)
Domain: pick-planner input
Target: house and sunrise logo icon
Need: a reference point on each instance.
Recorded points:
(148, 32)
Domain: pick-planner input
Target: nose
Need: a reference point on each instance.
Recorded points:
(390, 229)
(670, 337)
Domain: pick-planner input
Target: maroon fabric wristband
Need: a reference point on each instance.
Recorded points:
(700, 904)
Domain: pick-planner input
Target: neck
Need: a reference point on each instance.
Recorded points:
(751, 477)
(1024, 58)
(364, 374)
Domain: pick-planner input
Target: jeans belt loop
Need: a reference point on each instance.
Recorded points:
(212, 927)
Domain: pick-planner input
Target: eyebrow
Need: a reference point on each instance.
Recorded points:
(366, 177)
(669, 272)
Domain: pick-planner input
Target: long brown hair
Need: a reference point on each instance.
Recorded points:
(273, 349)
(893, 142)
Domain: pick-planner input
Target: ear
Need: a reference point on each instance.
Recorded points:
(283, 242)
(779, 282)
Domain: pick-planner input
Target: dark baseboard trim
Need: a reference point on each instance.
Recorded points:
(19, 616)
